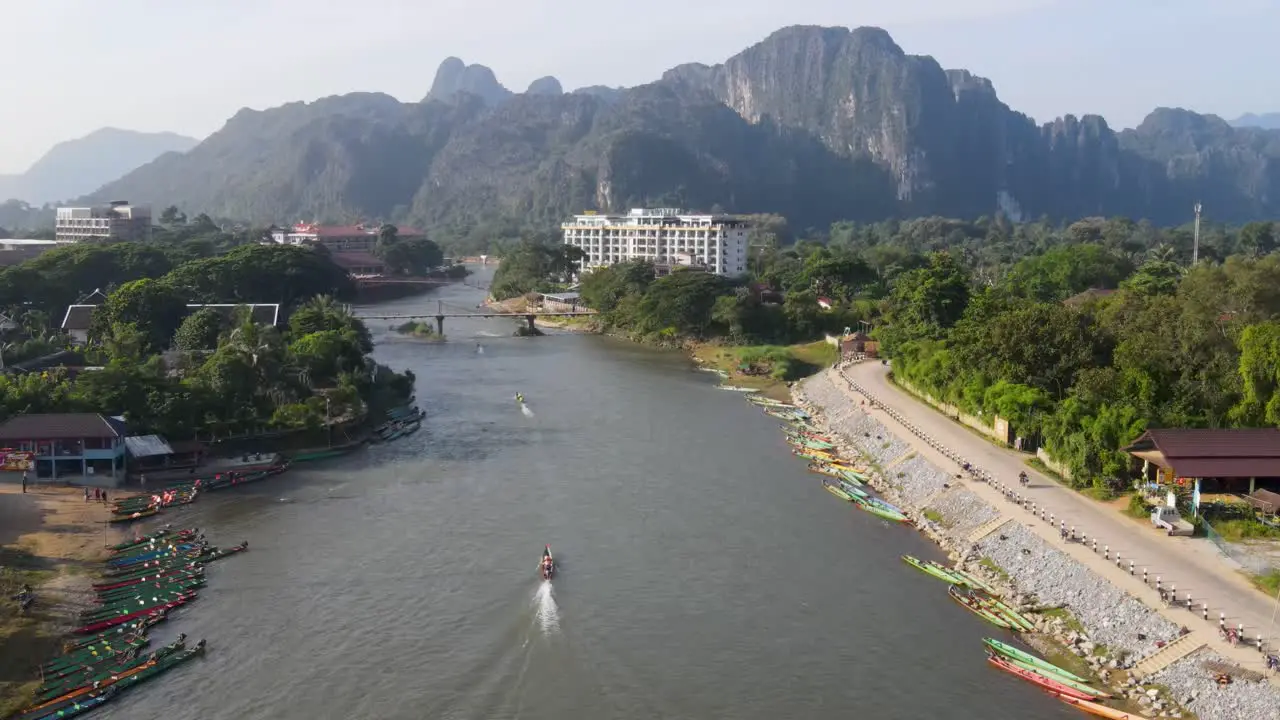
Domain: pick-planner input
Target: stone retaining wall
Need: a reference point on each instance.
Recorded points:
(1032, 572)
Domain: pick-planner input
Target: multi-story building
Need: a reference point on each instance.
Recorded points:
(663, 236)
(338, 239)
(118, 220)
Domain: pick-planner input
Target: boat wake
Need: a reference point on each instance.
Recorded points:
(525, 409)
(546, 612)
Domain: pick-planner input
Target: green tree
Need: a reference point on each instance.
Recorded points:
(926, 302)
(152, 306)
(199, 331)
(415, 256)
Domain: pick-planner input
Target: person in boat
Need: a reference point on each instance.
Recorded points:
(520, 398)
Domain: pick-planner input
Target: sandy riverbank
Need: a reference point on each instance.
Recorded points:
(53, 540)
(1081, 616)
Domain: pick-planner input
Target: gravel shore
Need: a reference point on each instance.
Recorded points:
(1194, 687)
(1034, 573)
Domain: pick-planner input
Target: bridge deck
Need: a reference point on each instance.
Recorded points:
(429, 315)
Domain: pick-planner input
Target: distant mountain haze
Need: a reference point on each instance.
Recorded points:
(816, 123)
(1266, 121)
(73, 168)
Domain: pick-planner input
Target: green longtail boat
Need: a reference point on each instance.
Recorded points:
(91, 700)
(931, 569)
(133, 591)
(972, 581)
(1014, 653)
(1006, 610)
(91, 655)
(98, 675)
(976, 608)
(865, 504)
(1054, 676)
(837, 492)
(852, 489)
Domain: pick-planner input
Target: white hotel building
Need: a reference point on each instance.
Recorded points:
(715, 243)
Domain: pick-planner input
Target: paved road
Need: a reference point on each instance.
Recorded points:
(1189, 565)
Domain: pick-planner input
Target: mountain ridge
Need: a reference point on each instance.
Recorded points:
(75, 167)
(1262, 121)
(816, 123)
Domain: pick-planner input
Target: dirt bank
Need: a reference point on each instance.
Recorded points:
(51, 539)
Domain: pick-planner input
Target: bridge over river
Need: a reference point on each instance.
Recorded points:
(449, 310)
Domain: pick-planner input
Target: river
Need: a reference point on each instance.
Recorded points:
(704, 572)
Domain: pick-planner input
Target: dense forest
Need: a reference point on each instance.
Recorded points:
(1080, 335)
(179, 373)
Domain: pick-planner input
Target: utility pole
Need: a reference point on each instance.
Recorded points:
(1195, 247)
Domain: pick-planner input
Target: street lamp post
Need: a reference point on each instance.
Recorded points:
(328, 426)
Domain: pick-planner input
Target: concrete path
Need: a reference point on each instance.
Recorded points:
(1186, 565)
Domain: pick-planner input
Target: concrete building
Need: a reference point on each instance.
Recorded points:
(663, 236)
(338, 239)
(117, 220)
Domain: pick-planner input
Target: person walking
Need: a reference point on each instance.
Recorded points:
(24, 481)
(86, 494)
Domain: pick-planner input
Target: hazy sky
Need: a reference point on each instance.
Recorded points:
(72, 66)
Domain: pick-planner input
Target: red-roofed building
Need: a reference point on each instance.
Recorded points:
(338, 238)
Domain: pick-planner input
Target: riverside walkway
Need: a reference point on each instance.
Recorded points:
(1186, 566)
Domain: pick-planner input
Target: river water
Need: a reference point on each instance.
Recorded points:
(704, 572)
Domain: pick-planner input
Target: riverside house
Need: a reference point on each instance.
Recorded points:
(82, 448)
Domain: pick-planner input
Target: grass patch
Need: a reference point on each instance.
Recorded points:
(1137, 507)
(1268, 583)
(767, 367)
(937, 517)
(1237, 529)
(1068, 619)
(991, 565)
(1062, 657)
(1101, 494)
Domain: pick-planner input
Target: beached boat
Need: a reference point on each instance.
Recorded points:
(822, 469)
(852, 477)
(101, 676)
(140, 514)
(888, 507)
(92, 653)
(114, 634)
(1092, 692)
(929, 569)
(95, 697)
(149, 576)
(326, 453)
(1094, 708)
(156, 536)
(1037, 679)
(1014, 653)
(738, 388)
(867, 505)
(837, 492)
(852, 489)
(973, 581)
(111, 622)
(976, 608)
(1005, 609)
